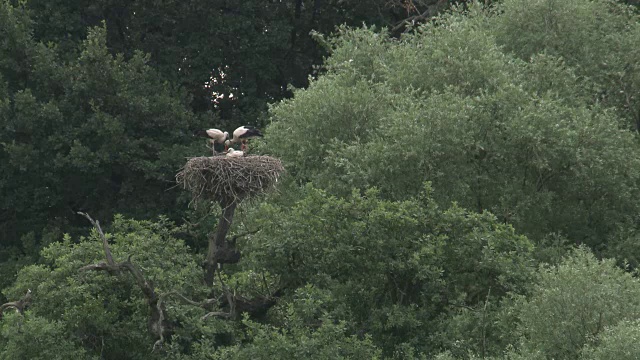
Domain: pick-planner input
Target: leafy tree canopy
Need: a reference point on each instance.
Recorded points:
(524, 138)
(96, 133)
(573, 303)
(384, 269)
(429, 175)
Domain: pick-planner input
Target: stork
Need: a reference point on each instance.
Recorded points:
(235, 153)
(244, 133)
(216, 137)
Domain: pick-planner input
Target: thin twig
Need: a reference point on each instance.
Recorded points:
(266, 285)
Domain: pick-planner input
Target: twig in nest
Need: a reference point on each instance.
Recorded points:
(19, 305)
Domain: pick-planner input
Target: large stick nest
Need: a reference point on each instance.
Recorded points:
(227, 179)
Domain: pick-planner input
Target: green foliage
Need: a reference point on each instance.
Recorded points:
(602, 51)
(389, 266)
(573, 303)
(522, 139)
(97, 132)
(624, 245)
(324, 340)
(619, 341)
(559, 27)
(349, 116)
(33, 337)
(250, 49)
(517, 114)
(15, 27)
(484, 330)
(12, 260)
(107, 313)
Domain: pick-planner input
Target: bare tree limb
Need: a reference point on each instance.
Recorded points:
(411, 21)
(189, 301)
(105, 243)
(230, 297)
(19, 305)
(236, 237)
(158, 325)
(222, 251)
(221, 314)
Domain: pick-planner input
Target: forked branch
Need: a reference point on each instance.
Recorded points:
(158, 325)
(105, 243)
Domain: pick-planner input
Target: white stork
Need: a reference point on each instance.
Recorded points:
(244, 133)
(216, 137)
(235, 153)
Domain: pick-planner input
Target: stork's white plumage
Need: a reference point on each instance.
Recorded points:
(244, 133)
(217, 136)
(235, 153)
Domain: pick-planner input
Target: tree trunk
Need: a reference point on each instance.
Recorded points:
(220, 251)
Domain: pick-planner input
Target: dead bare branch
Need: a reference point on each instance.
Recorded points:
(105, 243)
(235, 238)
(189, 301)
(158, 325)
(19, 305)
(422, 17)
(217, 314)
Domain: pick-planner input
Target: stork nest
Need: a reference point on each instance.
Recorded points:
(226, 179)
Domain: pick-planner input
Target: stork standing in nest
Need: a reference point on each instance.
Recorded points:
(242, 135)
(217, 137)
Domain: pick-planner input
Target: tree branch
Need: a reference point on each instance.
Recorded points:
(220, 250)
(216, 313)
(19, 305)
(430, 12)
(105, 243)
(189, 301)
(158, 325)
(236, 237)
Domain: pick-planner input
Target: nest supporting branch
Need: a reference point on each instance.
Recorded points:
(227, 181)
(220, 250)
